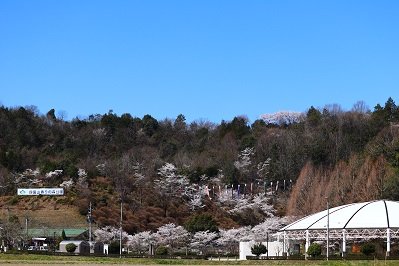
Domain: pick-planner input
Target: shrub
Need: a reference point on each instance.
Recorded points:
(114, 248)
(368, 249)
(63, 235)
(314, 250)
(71, 247)
(201, 222)
(258, 249)
(161, 250)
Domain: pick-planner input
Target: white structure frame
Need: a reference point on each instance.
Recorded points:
(357, 221)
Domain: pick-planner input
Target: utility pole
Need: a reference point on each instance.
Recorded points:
(328, 228)
(26, 228)
(267, 244)
(89, 218)
(120, 233)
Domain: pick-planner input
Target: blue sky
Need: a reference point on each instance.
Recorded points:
(209, 60)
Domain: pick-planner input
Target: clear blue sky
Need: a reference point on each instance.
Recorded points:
(208, 60)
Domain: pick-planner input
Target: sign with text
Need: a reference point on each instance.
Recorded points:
(40, 191)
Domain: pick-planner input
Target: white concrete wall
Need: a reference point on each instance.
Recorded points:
(275, 248)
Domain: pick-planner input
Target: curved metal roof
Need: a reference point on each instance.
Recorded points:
(364, 215)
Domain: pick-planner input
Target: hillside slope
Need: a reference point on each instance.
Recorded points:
(42, 212)
(370, 175)
(170, 171)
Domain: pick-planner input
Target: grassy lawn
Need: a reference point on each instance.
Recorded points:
(33, 259)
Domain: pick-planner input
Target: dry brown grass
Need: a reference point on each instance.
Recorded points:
(42, 211)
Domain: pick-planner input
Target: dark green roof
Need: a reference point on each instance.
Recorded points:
(49, 232)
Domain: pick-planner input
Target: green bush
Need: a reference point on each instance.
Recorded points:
(113, 247)
(314, 250)
(258, 249)
(367, 249)
(63, 235)
(71, 247)
(201, 222)
(161, 250)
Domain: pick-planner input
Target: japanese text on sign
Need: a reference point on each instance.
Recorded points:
(40, 191)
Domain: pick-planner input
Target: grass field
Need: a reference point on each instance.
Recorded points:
(30, 259)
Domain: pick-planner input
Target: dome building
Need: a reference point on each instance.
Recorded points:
(357, 221)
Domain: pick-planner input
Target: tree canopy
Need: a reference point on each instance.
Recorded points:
(106, 158)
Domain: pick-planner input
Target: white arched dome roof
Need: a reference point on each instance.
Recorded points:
(365, 215)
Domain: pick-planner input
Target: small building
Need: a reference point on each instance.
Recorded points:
(82, 247)
(275, 249)
(97, 248)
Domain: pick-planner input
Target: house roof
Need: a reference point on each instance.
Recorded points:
(377, 214)
(49, 232)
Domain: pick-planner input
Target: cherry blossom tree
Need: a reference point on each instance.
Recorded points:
(141, 242)
(11, 231)
(172, 236)
(82, 178)
(195, 197)
(27, 176)
(230, 238)
(67, 184)
(171, 185)
(257, 202)
(263, 168)
(244, 160)
(282, 118)
(202, 240)
(169, 181)
(53, 174)
(109, 233)
(81, 181)
(270, 225)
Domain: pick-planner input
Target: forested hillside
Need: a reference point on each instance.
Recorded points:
(169, 171)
